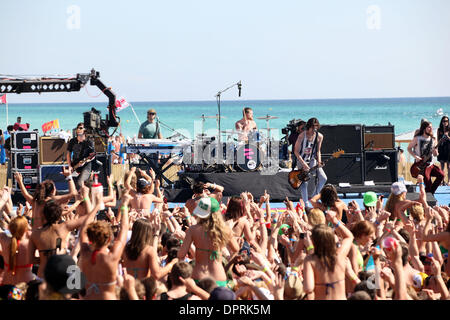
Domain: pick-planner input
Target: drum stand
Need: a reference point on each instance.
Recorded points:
(268, 139)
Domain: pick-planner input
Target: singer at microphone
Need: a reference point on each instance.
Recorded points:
(150, 128)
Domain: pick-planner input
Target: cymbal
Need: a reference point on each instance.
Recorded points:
(268, 129)
(212, 117)
(232, 132)
(267, 118)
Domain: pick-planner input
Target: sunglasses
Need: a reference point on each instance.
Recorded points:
(80, 128)
(151, 114)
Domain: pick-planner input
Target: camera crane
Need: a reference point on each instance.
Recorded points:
(40, 84)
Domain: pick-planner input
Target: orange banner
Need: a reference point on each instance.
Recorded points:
(54, 124)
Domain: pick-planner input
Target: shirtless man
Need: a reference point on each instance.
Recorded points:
(246, 124)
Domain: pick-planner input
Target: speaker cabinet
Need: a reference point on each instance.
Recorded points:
(380, 166)
(379, 137)
(348, 168)
(54, 173)
(52, 151)
(347, 137)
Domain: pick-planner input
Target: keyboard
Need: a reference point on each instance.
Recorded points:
(162, 146)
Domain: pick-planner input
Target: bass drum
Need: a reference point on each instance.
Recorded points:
(248, 157)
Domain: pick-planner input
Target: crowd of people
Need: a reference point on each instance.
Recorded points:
(130, 245)
(211, 249)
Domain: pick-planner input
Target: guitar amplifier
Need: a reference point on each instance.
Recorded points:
(54, 173)
(379, 137)
(380, 166)
(30, 179)
(24, 141)
(348, 168)
(25, 160)
(52, 150)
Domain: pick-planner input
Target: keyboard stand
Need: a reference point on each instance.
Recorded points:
(152, 162)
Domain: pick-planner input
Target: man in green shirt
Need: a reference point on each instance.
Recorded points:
(150, 128)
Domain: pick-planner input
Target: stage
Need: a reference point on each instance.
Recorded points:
(277, 186)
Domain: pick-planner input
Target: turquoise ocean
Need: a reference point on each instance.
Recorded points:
(404, 113)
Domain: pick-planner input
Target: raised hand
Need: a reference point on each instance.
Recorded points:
(66, 171)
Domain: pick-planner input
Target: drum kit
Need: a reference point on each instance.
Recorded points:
(248, 150)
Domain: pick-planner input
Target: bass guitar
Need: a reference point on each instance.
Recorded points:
(420, 166)
(297, 177)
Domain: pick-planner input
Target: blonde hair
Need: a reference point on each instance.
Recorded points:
(417, 212)
(217, 229)
(324, 246)
(392, 201)
(18, 226)
(316, 216)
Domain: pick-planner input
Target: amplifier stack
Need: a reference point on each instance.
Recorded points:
(37, 159)
(25, 158)
(370, 153)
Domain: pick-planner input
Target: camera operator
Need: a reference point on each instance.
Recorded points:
(299, 127)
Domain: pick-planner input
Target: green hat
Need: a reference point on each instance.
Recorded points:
(370, 199)
(280, 231)
(206, 206)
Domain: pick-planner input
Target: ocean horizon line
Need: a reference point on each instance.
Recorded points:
(240, 100)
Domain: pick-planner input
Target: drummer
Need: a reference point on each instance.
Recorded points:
(246, 124)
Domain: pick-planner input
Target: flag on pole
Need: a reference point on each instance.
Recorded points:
(121, 104)
(3, 99)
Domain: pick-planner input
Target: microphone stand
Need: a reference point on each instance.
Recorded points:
(238, 84)
(171, 129)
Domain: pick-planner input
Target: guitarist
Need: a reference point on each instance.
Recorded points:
(307, 151)
(78, 149)
(423, 146)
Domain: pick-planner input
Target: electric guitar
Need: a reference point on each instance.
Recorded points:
(297, 177)
(420, 166)
(88, 159)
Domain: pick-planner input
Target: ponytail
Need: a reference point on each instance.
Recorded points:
(18, 226)
(13, 254)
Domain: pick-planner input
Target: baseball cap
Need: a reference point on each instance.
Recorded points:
(370, 199)
(398, 188)
(222, 293)
(142, 183)
(57, 272)
(206, 206)
(280, 231)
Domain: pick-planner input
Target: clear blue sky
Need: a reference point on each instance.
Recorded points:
(179, 50)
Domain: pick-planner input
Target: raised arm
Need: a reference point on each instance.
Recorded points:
(119, 243)
(72, 188)
(28, 197)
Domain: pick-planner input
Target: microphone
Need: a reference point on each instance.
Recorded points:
(239, 87)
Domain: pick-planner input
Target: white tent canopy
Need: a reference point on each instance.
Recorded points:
(405, 137)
